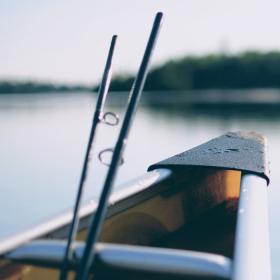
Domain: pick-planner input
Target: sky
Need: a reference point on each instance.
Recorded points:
(67, 41)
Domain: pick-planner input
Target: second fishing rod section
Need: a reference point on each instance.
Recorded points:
(109, 118)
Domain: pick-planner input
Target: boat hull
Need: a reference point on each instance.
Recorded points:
(191, 209)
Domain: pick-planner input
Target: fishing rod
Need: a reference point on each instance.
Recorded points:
(109, 118)
(98, 218)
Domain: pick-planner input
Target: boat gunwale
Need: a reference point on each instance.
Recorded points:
(56, 226)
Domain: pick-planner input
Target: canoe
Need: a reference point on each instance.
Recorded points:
(201, 214)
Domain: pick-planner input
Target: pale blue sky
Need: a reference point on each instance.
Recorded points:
(67, 41)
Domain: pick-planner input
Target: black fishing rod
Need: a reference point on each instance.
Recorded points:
(98, 218)
(98, 117)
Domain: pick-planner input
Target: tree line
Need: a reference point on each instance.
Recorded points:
(218, 71)
(240, 71)
(36, 87)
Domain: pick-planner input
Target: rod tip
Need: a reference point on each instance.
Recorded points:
(159, 14)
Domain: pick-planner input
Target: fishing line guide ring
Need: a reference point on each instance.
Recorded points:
(110, 118)
(103, 161)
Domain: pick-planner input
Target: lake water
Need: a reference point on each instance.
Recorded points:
(43, 139)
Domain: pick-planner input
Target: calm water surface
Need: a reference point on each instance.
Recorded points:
(43, 139)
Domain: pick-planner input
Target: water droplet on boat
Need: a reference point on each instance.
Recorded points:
(180, 156)
(233, 150)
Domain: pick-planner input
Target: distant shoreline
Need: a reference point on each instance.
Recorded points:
(18, 87)
(247, 70)
(268, 96)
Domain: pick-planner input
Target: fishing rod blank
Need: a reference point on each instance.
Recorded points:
(97, 220)
(98, 117)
